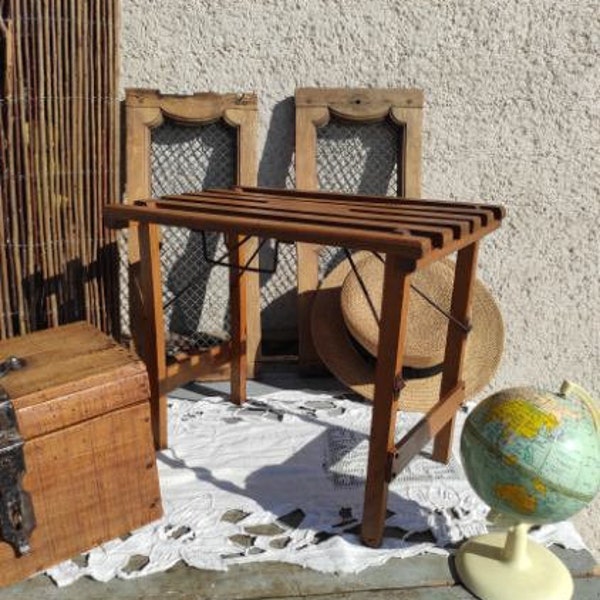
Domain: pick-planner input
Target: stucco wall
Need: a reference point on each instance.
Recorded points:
(511, 117)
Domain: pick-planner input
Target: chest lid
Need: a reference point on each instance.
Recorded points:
(69, 374)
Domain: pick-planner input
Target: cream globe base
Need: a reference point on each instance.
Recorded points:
(510, 566)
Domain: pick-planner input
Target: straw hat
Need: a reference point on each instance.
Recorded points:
(352, 365)
(425, 338)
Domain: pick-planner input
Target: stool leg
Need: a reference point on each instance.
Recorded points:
(153, 351)
(392, 337)
(238, 310)
(464, 277)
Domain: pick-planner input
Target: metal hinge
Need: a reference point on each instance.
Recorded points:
(17, 519)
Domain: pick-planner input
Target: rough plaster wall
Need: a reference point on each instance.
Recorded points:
(512, 117)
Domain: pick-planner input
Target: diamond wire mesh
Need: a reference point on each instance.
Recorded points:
(195, 293)
(122, 249)
(360, 158)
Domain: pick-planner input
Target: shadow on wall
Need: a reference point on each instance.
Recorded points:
(276, 168)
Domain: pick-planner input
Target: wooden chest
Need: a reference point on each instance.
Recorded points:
(81, 404)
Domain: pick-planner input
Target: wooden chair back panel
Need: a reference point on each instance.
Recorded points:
(394, 116)
(153, 121)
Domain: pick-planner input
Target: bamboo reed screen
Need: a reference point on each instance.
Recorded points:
(58, 163)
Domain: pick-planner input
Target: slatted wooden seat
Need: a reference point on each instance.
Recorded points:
(411, 233)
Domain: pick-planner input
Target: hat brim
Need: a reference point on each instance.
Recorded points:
(340, 354)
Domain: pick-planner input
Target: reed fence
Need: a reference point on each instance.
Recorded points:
(59, 163)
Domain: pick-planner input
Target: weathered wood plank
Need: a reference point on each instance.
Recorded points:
(424, 577)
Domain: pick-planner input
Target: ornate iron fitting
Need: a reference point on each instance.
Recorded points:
(12, 363)
(17, 519)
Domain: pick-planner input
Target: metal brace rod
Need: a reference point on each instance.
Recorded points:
(466, 327)
(220, 262)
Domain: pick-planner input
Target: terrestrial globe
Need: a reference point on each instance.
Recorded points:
(535, 456)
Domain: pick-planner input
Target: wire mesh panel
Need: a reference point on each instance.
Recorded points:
(357, 140)
(122, 237)
(195, 293)
(359, 158)
(278, 289)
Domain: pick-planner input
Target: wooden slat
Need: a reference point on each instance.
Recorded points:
(52, 69)
(24, 170)
(439, 232)
(89, 161)
(360, 204)
(307, 256)
(498, 211)
(427, 212)
(39, 147)
(421, 238)
(154, 339)
(455, 220)
(439, 416)
(17, 305)
(6, 304)
(46, 210)
(238, 309)
(246, 124)
(359, 104)
(113, 150)
(81, 179)
(411, 246)
(214, 363)
(410, 120)
(419, 220)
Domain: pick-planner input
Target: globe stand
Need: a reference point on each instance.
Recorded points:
(505, 566)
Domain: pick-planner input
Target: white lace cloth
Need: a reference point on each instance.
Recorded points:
(282, 479)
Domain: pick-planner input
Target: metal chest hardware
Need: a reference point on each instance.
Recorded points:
(17, 519)
(12, 363)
